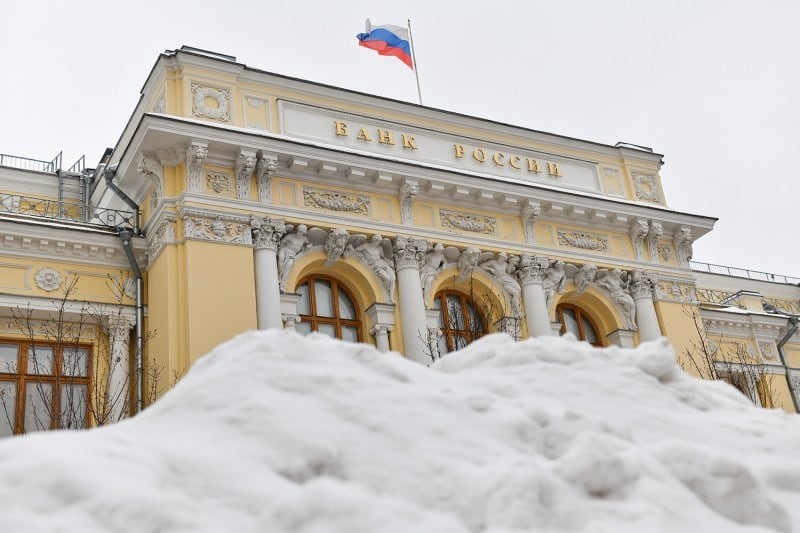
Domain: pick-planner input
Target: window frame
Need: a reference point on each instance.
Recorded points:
(579, 314)
(57, 379)
(336, 319)
(450, 334)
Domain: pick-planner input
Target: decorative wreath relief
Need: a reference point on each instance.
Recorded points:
(48, 279)
(220, 98)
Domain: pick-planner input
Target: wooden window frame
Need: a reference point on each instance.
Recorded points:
(23, 379)
(579, 313)
(336, 319)
(449, 333)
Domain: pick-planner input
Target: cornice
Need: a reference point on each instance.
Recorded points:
(57, 243)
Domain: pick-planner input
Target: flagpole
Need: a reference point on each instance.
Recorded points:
(414, 59)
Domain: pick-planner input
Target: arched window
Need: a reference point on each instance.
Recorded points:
(575, 320)
(459, 319)
(327, 306)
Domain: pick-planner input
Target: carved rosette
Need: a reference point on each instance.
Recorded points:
(638, 232)
(583, 240)
(48, 279)
(216, 228)
(245, 163)
(335, 245)
(408, 191)
(641, 284)
(265, 170)
(158, 239)
(267, 233)
(219, 110)
(336, 201)
(196, 155)
(468, 222)
(654, 232)
(409, 253)
(529, 215)
(150, 168)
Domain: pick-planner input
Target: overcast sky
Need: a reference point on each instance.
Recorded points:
(713, 85)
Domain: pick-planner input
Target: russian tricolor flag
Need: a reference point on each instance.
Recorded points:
(388, 40)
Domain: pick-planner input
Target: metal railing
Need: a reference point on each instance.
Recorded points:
(78, 165)
(26, 163)
(66, 211)
(743, 273)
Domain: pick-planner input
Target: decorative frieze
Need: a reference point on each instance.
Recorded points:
(646, 188)
(196, 155)
(211, 102)
(583, 240)
(768, 349)
(219, 182)
(468, 222)
(254, 102)
(336, 201)
(666, 252)
(245, 163)
(158, 239)
(48, 279)
(219, 228)
(674, 290)
(791, 307)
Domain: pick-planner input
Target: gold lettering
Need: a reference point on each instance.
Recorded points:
(385, 137)
(552, 169)
(341, 128)
(497, 157)
(512, 162)
(533, 165)
(408, 141)
(459, 150)
(479, 155)
(362, 135)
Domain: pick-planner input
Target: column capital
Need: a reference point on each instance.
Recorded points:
(641, 284)
(116, 323)
(409, 253)
(532, 270)
(267, 233)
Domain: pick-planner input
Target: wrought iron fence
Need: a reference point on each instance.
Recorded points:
(743, 273)
(68, 211)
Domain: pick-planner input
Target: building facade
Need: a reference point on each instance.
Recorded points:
(238, 199)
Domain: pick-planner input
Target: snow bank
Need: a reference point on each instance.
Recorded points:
(277, 432)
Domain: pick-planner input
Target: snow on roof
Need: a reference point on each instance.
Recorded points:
(277, 432)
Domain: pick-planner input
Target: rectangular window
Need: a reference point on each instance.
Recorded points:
(43, 386)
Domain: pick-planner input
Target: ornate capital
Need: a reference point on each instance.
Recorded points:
(532, 270)
(245, 163)
(641, 284)
(529, 215)
(195, 157)
(409, 253)
(267, 233)
(265, 170)
(117, 325)
(408, 191)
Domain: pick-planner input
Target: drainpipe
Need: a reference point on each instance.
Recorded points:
(109, 174)
(126, 235)
(793, 325)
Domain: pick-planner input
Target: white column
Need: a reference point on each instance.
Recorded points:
(266, 235)
(289, 310)
(117, 397)
(381, 321)
(531, 274)
(407, 256)
(646, 319)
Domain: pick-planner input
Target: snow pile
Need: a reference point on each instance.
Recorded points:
(276, 432)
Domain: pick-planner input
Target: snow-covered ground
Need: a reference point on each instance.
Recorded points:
(277, 432)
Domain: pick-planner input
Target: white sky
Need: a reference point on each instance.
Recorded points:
(713, 85)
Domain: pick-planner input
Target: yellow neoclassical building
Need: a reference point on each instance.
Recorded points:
(238, 199)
